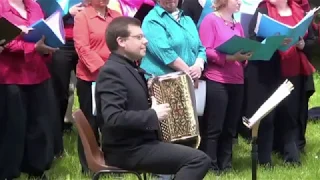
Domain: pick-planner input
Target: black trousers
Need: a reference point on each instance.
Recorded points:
(220, 120)
(278, 130)
(310, 89)
(85, 101)
(288, 121)
(163, 158)
(64, 61)
(27, 126)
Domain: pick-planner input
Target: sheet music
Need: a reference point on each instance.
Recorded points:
(56, 25)
(280, 94)
(200, 94)
(93, 90)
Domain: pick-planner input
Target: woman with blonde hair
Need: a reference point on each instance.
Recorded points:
(224, 75)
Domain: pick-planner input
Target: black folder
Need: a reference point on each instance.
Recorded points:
(143, 11)
(8, 31)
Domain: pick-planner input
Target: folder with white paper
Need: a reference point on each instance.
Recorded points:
(51, 28)
(267, 26)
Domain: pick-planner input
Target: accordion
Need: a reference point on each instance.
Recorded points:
(177, 90)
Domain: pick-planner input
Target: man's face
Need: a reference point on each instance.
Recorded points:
(136, 43)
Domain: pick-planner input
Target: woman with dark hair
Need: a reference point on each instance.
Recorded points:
(263, 77)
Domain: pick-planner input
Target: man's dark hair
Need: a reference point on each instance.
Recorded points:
(118, 27)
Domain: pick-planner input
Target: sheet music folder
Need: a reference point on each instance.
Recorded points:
(51, 6)
(261, 50)
(272, 102)
(52, 28)
(8, 30)
(200, 95)
(267, 26)
(143, 11)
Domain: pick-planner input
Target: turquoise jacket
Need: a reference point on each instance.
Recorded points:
(168, 40)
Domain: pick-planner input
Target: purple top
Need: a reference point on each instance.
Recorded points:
(213, 32)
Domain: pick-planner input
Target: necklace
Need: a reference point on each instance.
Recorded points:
(227, 23)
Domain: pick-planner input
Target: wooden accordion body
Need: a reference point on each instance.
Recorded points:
(177, 90)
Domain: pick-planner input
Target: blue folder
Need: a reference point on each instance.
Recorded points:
(266, 27)
(52, 28)
(261, 50)
(51, 6)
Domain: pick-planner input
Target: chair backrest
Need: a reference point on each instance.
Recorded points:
(93, 153)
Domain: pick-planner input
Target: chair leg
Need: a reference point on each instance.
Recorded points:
(138, 175)
(144, 176)
(96, 176)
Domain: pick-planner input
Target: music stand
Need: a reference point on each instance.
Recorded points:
(254, 122)
(254, 147)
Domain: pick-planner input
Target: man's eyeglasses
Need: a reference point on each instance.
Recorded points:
(139, 37)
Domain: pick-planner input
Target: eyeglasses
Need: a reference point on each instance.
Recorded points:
(139, 37)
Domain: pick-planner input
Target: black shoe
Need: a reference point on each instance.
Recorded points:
(214, 170)
(293, 163)
(266, 165)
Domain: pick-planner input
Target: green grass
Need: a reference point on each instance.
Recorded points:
(68, 167)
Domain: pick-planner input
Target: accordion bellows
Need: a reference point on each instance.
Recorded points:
(177, 90)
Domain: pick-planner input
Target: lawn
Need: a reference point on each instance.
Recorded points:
(68, 167)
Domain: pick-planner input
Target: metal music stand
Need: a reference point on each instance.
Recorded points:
(254, 147)
(282, 92)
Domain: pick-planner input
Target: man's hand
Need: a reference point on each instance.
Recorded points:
(162, 110)
(75, 9)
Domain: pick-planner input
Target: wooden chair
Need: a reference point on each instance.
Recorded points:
(93, 153)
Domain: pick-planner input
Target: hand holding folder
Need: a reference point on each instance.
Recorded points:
(240, 56)
(42, 48)
(259, 50)
(267, 26)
